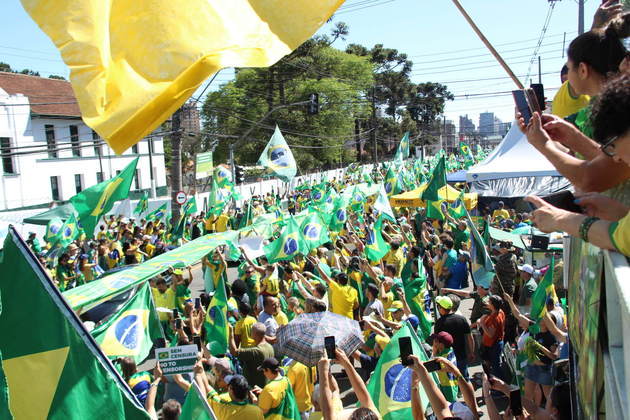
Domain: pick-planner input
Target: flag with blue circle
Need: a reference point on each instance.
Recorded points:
(375, 245)
(391, 182)
(390, 384)
(277, 158)
(69, 231)
(132, 331)
(143, 204)
(314, 231)
(290, 243)
(402, 152)
(222, 176)
(339, 213)
(53, 229)
(157, 214)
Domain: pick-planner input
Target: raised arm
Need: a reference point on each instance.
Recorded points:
(466, 387)
(358, 386)
(325, 388)
(436, 398)
(149, 404)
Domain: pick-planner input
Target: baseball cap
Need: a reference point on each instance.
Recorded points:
(221, 364)
(178, 271)
(443, 337)
(270, 363)
(396, 306)
(238, 383)
(526, 268)
(444, 301)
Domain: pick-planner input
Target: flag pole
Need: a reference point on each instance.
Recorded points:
(487, 43)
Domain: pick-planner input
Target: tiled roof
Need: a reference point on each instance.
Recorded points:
(57, 93)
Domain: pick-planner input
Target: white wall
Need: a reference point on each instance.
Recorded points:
(32, 185)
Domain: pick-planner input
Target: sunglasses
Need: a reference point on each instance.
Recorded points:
(609, 147)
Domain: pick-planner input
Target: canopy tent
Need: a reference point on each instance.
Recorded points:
(448, 193)
(459, 176)
(515, 169)
(60, 212)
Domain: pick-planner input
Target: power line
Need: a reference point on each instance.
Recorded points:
(552, 6)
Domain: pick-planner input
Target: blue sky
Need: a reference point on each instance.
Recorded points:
(431, 32)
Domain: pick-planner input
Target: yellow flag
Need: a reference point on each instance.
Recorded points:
(133, 63)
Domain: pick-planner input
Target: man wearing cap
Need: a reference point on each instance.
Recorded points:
(457, 326)
(238, 389)
(529, 287)
(441, 346)
(276, 400)
(252, 357)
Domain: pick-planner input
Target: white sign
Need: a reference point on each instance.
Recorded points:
(180, 198)
(175, 360)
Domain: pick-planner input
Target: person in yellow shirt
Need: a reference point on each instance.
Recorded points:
(567, 102)
(281, 318)
(243, 327)
(302, 380)
(221, 223)
(164, 297)
(501, 213)
(208, 224)
(343, 297)
(395, 257)
(277, 399)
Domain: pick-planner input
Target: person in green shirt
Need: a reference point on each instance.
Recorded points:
(33, 242)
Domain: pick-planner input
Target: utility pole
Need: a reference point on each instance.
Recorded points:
(539, 71)
(580, 17)
(176, 162)
(373, 125)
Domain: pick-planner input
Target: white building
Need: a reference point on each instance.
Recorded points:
(48, 154)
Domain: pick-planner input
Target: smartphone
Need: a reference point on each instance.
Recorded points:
(536, 97)
(160, 343)
(178, 323)
(432, 365)
(515, 402)
(520, 99)
(175, 314)
(564, 200)
(561, 371)
(329, 345)
(197, 341)
(404, 344)
(197, 303)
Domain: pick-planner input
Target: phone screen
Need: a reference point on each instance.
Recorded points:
(175, 313)
(515, 402)
(329, 344)
(197, 303)
(432, 365)
(521, 104)
(178, 323)
(197, 341)
(404, 344)
(564, 200)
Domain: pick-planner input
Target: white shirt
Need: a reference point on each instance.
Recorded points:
(270, 323)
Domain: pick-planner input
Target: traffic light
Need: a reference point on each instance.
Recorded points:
(313, 105)
(239, 173)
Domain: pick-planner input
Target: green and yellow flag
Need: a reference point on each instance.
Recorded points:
(290, 243)
(402, 152)
(223, 176)
(132, 330)
(195, 406)
(375, 245)
(94, 202)
(438, 180)
(147, 57)
(390, 384)
(434, 210)
(482, 266)
(391, 182)
(419, 300)
(53, 229)
(457, 209)
(143, 204)
(216, 322)
(314, 231)
(190, 207)
(5, 412)
(52, 365)
(69, 231)
(158, 214)
(339, 213)
(544, 291)
(277, 158)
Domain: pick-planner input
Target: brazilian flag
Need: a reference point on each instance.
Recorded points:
(457, 210)
(438, 180)
(434, 210)
(419, 300)
(191, 206)
(358, 200)
(69, 231)
(94, 202)
(217, 198)
(482, 267)
(132, 330)
(318, 193)
(290, 243)
(391, 182)
(222, 176)
(375, 247)
(402, 152)
(314, 231)
(277, 158)
(390, 384)
(465, 151)
(53, 367)
(543, 292)
(143, 204)
(195, 406)
(53, 229)
(339, 213)
(216, 322)
(157, 214)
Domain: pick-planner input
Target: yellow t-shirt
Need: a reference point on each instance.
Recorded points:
(620, 235)
(281, 318)
(395, 258)
(272, 394)
(387, 303)
(343, 299)
(271, 285)
(149, 249)
(163, 300)
(208, 224)
(243, 329)
(221, 223)
(232, 410)
(564, 104)
(501, 213)
(302, 380)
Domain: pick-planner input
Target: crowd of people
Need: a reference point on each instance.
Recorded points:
(518, 351)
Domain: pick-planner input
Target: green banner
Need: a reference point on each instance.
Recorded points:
(204, 165)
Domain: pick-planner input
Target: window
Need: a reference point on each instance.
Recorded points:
(136, 180)
(50, 140)
(74, 139)
(98, 150)
(134, 149)
(54, 187)
(78, 182)
(100, 177)
(7, 159)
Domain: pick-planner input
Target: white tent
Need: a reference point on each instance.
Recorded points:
(515, 169)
